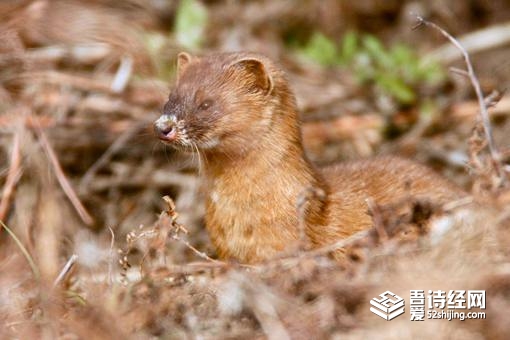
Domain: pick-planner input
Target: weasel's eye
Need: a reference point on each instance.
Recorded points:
(205, 105)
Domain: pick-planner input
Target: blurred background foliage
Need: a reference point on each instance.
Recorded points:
(81, 83)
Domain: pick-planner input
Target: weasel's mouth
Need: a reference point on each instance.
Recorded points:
(168, 134)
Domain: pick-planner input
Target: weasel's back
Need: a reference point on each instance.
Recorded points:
(384, 180)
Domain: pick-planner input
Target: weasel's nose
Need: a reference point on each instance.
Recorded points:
(165, 129)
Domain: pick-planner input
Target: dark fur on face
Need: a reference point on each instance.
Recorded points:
(224, 102)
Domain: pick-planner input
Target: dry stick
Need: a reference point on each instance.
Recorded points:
(475, 42)
(121, 79)
(263, 303)
(459, 71)
(13, 177)
(302, 206)
(491, 99)
(110, 257)
(159, 178)
(340, 244)
(170, 212)
(193, 267)
(195, 250)
(481, 100)
(378, 222)
(109, 153)
(63, 181)
(212, 263)
(26, 254)
(69, 264)
(316, 252)
(87, 53)
(60, 78)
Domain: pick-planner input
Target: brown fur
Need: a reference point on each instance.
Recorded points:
(237, 110)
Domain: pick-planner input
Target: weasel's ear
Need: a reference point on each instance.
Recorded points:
(183, 60)
(259, 78)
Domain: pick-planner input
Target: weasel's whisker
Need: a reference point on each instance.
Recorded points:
(199, 157)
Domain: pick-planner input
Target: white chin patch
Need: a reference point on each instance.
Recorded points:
(215, 197)
(211, 143)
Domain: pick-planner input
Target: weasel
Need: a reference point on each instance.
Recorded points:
(238, 112)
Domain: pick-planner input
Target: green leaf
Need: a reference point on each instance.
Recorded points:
(363, 67)
(190, 23)
(403, 54)
(432, 73)
(395, 86)
(321, 50)
(377, 52)
(428, 109)
(349, 47)
(154, 42)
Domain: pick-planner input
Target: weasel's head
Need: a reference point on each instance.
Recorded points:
(222, 102)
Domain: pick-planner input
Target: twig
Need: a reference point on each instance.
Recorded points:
(479, 94)
(109, 153)
(454, 158)
(13, 177)
(468, 109)
(494, 98)
(30, 122)
(264, 304)
(195, 250)
(340, 244)
(450, 206)
(459, 71)
(64, 182)
(60, 78)
(69, 264)
(200, 266)
(84, 53)
(159, 178)
(110, 257)
(478, 41)
(377, 218)
(304, 201)
(321, 251)
(179, 228)
(24, 250)
(121, 79)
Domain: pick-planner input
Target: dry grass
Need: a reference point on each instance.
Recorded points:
(87, 256)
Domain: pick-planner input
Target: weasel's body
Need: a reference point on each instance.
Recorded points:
(237, 110)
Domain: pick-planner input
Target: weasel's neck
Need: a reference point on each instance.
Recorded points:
(268, 162)
(252, 199)
(274, 159)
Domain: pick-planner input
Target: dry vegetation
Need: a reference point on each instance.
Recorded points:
(83, 253)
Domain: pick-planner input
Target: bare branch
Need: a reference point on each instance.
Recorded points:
(377, 218)
(108, 154)
(123, 74)
(13, 177)
(200, 254)
(110, 257)
(495, 156)
(64, 182)
(475, 42)
(67, 267)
